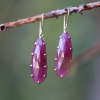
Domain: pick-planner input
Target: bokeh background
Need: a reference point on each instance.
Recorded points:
(16, 45)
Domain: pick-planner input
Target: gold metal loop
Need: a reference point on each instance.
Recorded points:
(65, 25)
(41, 27)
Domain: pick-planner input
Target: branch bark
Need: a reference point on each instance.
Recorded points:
(51, 14)
(86, 55)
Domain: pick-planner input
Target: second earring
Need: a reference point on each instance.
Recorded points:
(39, 59)
(64, 53)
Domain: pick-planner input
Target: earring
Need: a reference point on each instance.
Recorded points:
(39, 59)
(64, 53)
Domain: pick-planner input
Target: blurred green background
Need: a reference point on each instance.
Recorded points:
(16, 45)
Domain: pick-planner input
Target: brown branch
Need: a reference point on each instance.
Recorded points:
(51, 14)
(86, 55)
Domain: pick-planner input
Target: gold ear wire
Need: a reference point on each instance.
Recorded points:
(41, 27)
(65, 25)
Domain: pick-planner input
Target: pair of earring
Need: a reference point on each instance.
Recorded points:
(63, 58)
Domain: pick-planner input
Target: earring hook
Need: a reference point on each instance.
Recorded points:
(41, 27)
(65, 25)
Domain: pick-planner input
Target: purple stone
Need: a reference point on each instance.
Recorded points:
(39, 61)
(64, 55)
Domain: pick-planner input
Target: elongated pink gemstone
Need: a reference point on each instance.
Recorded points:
(64, 56)
(39, 61)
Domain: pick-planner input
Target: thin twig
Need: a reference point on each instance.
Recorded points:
(86, 55)
(51, 14)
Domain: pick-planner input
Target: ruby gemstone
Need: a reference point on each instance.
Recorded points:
(64, 55)
(39, 61)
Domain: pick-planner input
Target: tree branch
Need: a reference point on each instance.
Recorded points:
(51, 14)
(86, 55)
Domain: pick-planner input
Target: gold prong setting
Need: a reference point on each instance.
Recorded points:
(38, 82)
(55, 69)
(60, 37)
(68, 70)
(31, 75)
(45, 66)
(44, 43)
(58, 47)
(55, 59)
(31, 65)
(70, 60)
(69, 37)
(32, 53)
(61, 76)
(44, 75)
(45, 54)
(71, 48)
